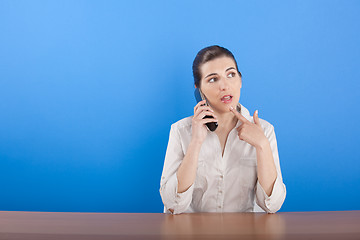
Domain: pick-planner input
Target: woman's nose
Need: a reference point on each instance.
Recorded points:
(224, 85)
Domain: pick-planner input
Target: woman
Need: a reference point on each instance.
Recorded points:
(231, 168)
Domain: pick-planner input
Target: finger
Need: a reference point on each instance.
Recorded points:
(201, 109)
(239, 116)
(205, 108)
(240, 127)
(240, 135)
(203, 102)
(256, 118)
(207, 120)
(206, 113)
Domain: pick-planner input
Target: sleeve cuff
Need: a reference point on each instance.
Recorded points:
(179, 202)
(272, 203)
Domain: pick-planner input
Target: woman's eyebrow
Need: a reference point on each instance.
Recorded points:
(230, 68)
(211, 74)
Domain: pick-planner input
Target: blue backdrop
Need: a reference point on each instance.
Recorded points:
(89, 89)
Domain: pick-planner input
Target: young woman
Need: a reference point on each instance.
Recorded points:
(232, 169)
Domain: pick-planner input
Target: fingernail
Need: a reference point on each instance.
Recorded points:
(231, 108)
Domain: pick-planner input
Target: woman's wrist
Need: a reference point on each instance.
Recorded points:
(262, 145)
(196, 142)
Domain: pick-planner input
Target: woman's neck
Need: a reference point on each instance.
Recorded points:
(226, 121)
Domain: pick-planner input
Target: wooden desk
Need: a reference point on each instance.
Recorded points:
(287, 225)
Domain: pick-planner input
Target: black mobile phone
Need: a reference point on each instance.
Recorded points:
(199, 96)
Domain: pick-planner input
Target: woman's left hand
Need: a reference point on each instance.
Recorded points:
(249, 132)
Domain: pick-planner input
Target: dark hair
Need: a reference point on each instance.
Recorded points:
(207, 54)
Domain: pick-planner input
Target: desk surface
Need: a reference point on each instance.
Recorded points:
(284, 225)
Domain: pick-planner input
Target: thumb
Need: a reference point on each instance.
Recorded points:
(256, 118)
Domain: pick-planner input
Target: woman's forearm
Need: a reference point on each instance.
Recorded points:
(186, 173)
(266, 167)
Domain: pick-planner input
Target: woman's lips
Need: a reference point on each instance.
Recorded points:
(226, 99)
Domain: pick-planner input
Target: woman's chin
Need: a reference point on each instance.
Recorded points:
(224, 108)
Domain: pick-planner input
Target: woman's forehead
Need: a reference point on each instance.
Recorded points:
(217, 65)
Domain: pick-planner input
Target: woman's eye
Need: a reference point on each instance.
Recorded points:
(212, 80)
(231, 75)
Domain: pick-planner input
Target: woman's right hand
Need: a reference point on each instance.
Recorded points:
(199, 129)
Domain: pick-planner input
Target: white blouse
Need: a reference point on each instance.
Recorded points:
(225, 183)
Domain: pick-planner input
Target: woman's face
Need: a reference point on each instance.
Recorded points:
(221, 83)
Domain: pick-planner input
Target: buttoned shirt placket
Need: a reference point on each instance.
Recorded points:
(221, 167)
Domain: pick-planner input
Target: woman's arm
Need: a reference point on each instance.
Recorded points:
(187, 171)
(270, 190)
(179, 171)
(173, 201)
(272, 202)
(253, 134)
(266, 167)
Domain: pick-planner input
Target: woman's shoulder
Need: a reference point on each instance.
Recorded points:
(267, 126)
(182, 123)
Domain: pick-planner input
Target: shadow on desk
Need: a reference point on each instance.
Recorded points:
(212, 226)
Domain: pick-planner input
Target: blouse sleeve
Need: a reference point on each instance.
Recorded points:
(178, 202)
(273, 203)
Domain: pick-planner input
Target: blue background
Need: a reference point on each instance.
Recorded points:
(89, 89)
